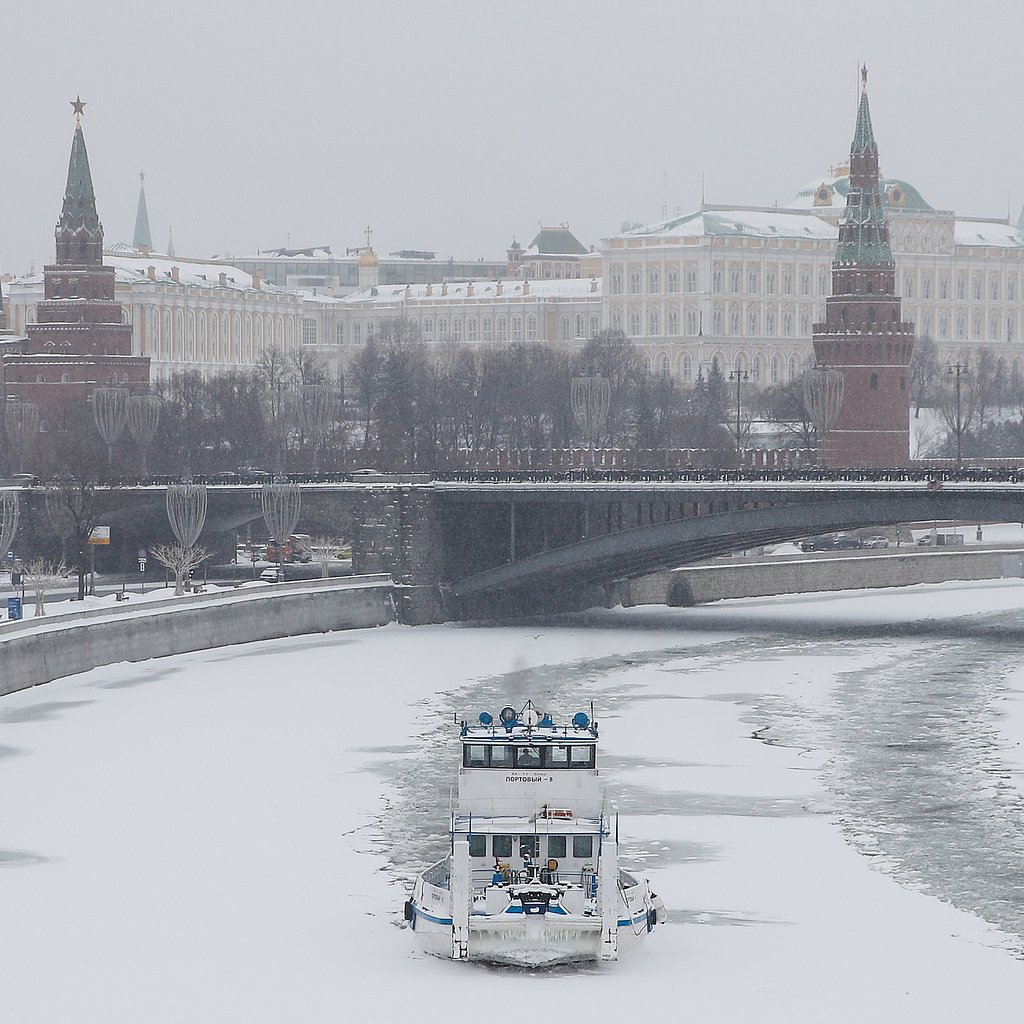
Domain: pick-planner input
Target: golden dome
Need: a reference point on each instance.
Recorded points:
(369, 258)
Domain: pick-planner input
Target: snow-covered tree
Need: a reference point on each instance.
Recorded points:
(324, 550)
(42, 575)
(181, 560)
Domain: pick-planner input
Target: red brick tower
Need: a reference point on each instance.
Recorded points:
(864, 334)
(80, 339)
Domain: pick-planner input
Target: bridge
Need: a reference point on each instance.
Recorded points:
(494, 546)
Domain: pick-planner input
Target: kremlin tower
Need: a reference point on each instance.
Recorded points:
(81, 339)
(864, 335)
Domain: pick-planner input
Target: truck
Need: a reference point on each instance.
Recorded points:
(297, 548)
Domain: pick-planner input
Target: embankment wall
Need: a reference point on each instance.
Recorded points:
(36, 651)
(700, 584)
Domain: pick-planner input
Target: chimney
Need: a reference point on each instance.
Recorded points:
(469, 289)
(223, 278)
(593, 284)
(526, 287)
(174, 275)
(257, 279)
(430, 290)
(408, 290)
(151, 273)
(444, 288)
(500, 290)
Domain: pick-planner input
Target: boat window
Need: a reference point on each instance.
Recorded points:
(501, 756)
(556, 847)
(501, 846)
(583, 847)
(558, 756)
(527, 757)
(528, 846)
(477, 845)
(582, 756)
(474, 755)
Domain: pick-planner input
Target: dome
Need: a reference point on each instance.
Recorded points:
(830, 192)
(369, 258)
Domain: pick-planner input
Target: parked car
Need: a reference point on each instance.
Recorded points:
(272, 576)
(844, 542)
(877, 541)
(824, 543)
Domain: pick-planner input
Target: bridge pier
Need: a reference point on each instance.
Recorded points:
(399, 532)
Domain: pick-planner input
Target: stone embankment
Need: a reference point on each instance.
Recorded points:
(35, 651)
(771, 576)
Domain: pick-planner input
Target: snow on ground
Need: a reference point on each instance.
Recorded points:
(212, 837)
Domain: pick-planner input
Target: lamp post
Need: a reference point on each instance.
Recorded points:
(739, 378)
(956, 371)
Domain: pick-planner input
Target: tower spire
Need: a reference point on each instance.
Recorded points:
(142, 238)
(79, 233)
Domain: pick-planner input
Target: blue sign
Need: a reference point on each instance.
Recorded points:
(14, 607)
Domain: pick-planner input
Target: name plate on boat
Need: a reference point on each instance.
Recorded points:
(528, 777)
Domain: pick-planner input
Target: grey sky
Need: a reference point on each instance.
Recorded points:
(455, 126)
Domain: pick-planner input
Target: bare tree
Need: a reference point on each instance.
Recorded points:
(42, 575)
(10, 511)
(958, 399)
(182, 560)
(325, 550)
(21, 421)
(316, 408)
(71, 508)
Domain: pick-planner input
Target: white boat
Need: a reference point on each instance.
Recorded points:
(532, 875)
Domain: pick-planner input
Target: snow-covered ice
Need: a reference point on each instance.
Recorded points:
(226, 836)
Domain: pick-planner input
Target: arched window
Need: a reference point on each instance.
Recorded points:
(653, 322)
(666, 366)
(442, 328)
(40, 379)
(792, 368)
(472, 331)
(65, 378)
(595, 325)
(428, 328)
(579, 324)
(774, 370)
(752, 323)
(357, 334)
(564, 328)
(716, 323)
(673, 322)
(734, 323)
(531, 328)
(755, 368)
(502, 328)
(456, 328)
(517, 328)
(654, 281)
(634, 323)
(616, 320)
(687, 369)
(487, 332)
(691, 322)
(673, 280)
(369, 329)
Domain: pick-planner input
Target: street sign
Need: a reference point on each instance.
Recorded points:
(14, 607)
(100, 535)
(142, 565)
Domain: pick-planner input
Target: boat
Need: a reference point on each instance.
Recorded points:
(531, 877)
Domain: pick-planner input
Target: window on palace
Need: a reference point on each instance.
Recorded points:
(752, 281)
(654, 282)
(874, 382)
(356, 334)
(687, 368)
(943, 288)
(531, 328)
(654, 322)
(994, 288)
(616, 321)
(308, 331)
(769, 325)
(994, 328)
(977, 289)
(634, 324)
(472, 330)
(976, 327)
(486, 330)
(564, 329)
(1010, 334)
(502, 329)
(769, 282)
(961, 328)
(428, 328)
(442, 329)
(517, 328)
(716, 280)
(691, 322)
(961, 289)
(691, 280)
(666, 366)
(775, 370)
(792, 368)
(616, 282)
(787, 324)
(908, 286)
(823, 284)
(943, 326)
(369, 329)
(673, 322)
(926, 325)
(752, 323)
(595, 325)
(805, 284)
(805, 325)
(716, 323)
(673, 280)
(648, 365)
(734, 322)
(456, 328)
(787, 284)
(634, 282)
(926, 288)
(734, 280)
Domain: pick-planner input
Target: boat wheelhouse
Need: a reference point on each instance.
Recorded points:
(532, 875)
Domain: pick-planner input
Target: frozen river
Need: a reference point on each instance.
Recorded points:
(827, 791)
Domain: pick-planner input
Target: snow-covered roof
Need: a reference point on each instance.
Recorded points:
(130, 265)
(980, 232)
(897, 193)
(484, 291)
(752, 223)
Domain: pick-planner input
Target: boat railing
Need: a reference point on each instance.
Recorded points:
(585, 878)
(438, 874)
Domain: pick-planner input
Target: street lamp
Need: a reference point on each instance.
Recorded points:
(739, 378)
(956, 371)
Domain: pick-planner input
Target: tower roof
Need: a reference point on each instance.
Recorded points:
(142, 238)
(864, 231)
(79, 209)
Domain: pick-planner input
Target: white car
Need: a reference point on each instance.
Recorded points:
(876, 542)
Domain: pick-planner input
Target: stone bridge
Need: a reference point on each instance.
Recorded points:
(463, 549)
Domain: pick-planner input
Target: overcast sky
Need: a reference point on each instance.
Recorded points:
(456, 126)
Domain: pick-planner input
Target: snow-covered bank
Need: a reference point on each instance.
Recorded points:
(224, 836)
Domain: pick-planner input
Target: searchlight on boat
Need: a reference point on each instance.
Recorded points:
(581, 720)
(486, 718)
(508, 716)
